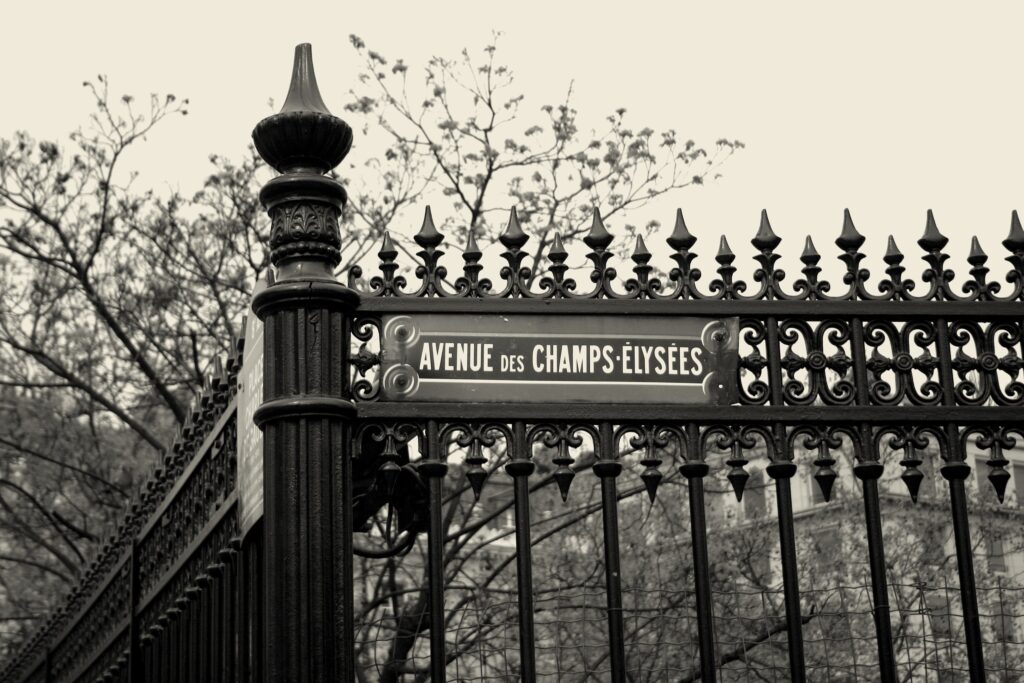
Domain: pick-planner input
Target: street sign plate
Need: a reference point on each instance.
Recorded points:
(559, 359)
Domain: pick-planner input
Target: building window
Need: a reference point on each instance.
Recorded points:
(755, 502)
(828, 545)
(1003, 625)
(996, 552)
(1018, 483)
(938, 613)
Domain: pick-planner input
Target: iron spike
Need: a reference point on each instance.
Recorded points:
(765, 239)
(932, 239)
(387, 252)
(513, 237)
(999, 478)
(271, 278)
(598, 238)
(563, 477)
(651, 478)
(849, 239)
(977, 256)
(303, 92)
(738, 479)
(220, 378)
(472, 251)
(893, 255)
(477, 476)
(640, 253)
(680, 238)
(1015, 240)
(725, 255)
(428, 236)
(826, 479)
(557, 252)
(238, 337)
(810, 255)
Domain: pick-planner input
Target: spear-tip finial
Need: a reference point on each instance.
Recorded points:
(304, 136)
(640, 252)
(303, 92)
(725, 254)
(680, 237)
(598, 237)
(513, 237)
(387, 252)
(932, 239)
(849, 239)
(557, 252)
(810, 255)
(765, 239)
(472, 251)
(977, 256)
(218, 371)
(428, 236)
(1015, 240)
(893, 254)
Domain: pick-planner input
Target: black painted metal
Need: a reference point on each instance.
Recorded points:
(782, 470)
(695, 469)
(868, 469)
(178, 595)
(956, 470)
(434, 468)
(608, 468)
(520, 468)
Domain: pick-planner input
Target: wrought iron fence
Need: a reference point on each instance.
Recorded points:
(904, 365)
(357, 483)
(175, 593)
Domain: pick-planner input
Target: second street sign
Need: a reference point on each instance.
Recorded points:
(559, 359)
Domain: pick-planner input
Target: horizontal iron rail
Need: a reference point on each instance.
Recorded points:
(99, 652)
(115, 571)
(226, 508)
(183, 478)
(867, 310)
(661, 412)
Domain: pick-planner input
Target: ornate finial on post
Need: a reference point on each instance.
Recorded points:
(303, 141)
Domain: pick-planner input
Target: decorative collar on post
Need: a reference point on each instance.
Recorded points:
(303, 142)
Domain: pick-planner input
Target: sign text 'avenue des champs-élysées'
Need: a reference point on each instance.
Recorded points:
(559, 359)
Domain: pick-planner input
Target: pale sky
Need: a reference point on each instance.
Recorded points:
(886, 108)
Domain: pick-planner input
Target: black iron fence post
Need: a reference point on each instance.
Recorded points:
(307, 406)
(956, 471)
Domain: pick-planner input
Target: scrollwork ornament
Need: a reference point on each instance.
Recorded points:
(995, 440)
(366, 330)
(753, 333)
(734, 441)
(684, 276)
(430, 271)
(387, 283)
(651, 441)
(475, 438)
(516, 276)
(561, 438)
(470, 284)
(824, 441)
